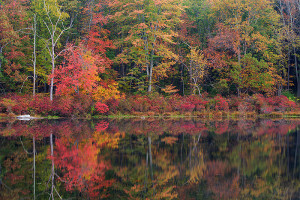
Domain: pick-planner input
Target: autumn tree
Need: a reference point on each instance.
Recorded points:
(80, 74)
(253, 76)
(195, 27)
(53, 19)
(14, 44)
(253, 25)
(289, 39)
(145, 36)
(196, 67)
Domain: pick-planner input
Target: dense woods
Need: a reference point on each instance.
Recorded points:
(67, 50)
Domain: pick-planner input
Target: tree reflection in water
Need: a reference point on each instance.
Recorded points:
(154, 159)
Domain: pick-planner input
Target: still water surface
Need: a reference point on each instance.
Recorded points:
(150, 159)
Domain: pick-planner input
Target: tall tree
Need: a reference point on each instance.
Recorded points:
(146, 34)
(53, 17)
(13, 43)
(254, 26)
(289, 37)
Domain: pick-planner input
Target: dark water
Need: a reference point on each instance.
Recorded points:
(150, 159)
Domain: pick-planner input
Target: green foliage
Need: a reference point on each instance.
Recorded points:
(252, 76)
(289, 95)
(224, 47)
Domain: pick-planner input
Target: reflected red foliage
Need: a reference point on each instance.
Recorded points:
(81, 168)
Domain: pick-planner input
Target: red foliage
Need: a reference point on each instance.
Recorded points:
(222, 46)
(221, 103)
(79, 73)
(187, 107)
(199, 102)
(63, 106)
(41, 105)
(276, 103)
(175, 101)
(101, 126)
(101, 107)
(113, 104)
(222, 127)
(82, 170)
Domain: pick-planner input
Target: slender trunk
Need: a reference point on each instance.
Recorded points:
(52, 168)
(33, 168)
(239, 56)
(288, 74)
(297, 73)
(296, 151)
(146, 170)
(192, 87)
(182, 79)
(151, 71)
(34, 55)
(298, 88)
(150, 163)
(1, 58)
(239, 60)
(52, 72)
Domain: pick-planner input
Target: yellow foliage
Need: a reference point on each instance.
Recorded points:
(103, 94)
(107, 139)
(170, 89)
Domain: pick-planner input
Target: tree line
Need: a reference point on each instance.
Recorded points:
(104, 47)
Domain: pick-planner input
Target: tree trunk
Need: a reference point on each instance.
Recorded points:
(192, 86)
(34, 55)
(297, 73)
(150, 72)
(1, 58)
(33, 141)
(51, 84)
(52, 71)
(52, 168)
(288, 75)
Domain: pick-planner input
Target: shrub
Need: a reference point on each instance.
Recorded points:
(113, 104)
(199, 102)
(82, 104)
(175, 101)
(289, 95)
(40, 105)
(234, 103)
(7, 104)
(221, 103)
(101, 107)
(63, 106)
(187, 107)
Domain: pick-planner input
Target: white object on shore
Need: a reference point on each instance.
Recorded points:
(24, 117)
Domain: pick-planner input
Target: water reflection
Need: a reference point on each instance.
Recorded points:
(154, 159)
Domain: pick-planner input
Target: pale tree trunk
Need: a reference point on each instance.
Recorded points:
(55, 35)
(52, 168)
(52, 73)
(151, 62)
(34, 55)
(192, 87)
(151, 71)
(33, 167)
(150, 163)
(53, 174)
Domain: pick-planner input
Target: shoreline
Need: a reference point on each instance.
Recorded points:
(173, 115)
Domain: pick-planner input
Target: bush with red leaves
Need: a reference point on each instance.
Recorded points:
(221, 103)
(101, 107)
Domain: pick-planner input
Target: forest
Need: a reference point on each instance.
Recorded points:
(73, 57)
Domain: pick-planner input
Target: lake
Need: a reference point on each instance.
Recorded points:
(150, 159)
